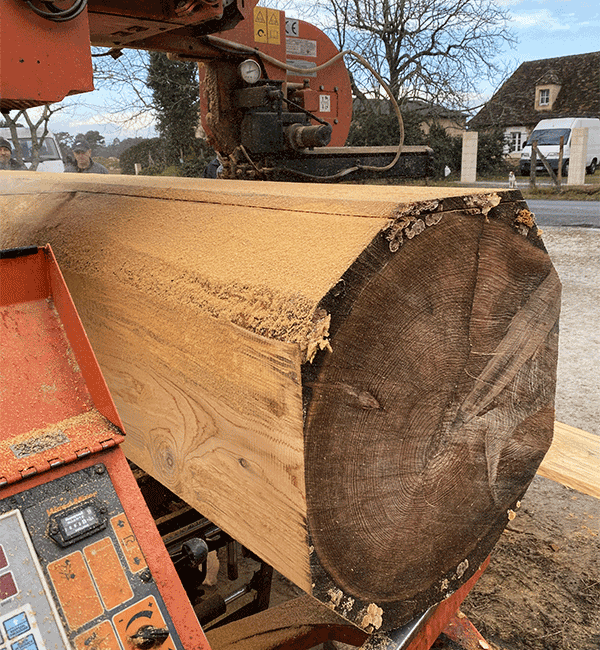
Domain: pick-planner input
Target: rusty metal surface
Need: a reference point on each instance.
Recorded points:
(462, 631)
(55, 405)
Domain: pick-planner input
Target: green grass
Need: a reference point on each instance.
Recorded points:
(588, 192)
(583, 193)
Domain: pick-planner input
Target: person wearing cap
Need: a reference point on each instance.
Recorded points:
(83, 160)
(6, 159)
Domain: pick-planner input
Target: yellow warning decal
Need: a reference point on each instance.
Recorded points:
(101, 637)
(129, 544)
(267, 26)
(75, 589)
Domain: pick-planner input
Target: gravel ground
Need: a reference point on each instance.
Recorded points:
(575, 253)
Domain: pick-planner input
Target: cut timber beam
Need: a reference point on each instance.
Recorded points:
(355, 382)
(573, 459)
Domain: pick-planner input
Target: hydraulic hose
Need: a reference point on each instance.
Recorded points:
(223, 43)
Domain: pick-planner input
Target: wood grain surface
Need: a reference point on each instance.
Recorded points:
(573, 459)
(355, 382)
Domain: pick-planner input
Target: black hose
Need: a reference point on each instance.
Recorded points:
(55, 14)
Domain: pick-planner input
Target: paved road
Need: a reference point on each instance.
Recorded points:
(566, 213)
(584, 214)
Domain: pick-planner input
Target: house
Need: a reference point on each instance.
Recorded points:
(567, 86)
(452, 121)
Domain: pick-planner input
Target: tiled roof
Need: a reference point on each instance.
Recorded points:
(549, 77)
(514, 103)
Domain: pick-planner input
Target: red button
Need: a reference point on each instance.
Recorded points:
(7, 586)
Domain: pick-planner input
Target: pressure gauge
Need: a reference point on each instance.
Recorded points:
(249, 71)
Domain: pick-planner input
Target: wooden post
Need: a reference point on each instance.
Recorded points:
(533, 166)
(549, 169)
(561, 151)
(577, 159)
(357, 386)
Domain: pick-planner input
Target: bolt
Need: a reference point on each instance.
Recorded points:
(145, 575)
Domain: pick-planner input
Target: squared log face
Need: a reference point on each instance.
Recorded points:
(356, 385)
(439, 387)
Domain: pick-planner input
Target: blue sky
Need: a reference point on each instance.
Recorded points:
(551, 28)
(544, 28)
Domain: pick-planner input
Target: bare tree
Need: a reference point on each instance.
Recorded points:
(123, 73)
(435, 50)
(38, 129)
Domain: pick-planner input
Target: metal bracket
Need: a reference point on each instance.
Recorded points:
(400, 638)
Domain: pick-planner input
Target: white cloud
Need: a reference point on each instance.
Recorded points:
(125, 121)
(78, 115)
(542, 18)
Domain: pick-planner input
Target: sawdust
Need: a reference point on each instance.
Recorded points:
(57, 441)
(260, 256)
(263, 270)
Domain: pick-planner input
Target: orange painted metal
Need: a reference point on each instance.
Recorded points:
(49, 371)
(42, 61)
(464, 633)
(75, 591)
(444, 613)
(115, 23)
(54, 401)
(327, 95)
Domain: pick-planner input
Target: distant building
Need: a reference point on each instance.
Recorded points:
(452, 121)
(567, 86)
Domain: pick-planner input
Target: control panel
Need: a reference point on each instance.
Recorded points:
(72, 573)
(28, 617)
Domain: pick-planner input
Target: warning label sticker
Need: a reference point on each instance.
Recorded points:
(324, 103)
(267, 26)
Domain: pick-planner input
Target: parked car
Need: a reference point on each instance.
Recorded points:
(50, 157)
(548, 134)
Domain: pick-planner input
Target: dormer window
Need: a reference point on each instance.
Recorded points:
(547, 89)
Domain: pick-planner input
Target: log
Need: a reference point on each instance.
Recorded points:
(355, 382)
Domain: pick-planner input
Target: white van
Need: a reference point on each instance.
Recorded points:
(548, 132)
(50, 158)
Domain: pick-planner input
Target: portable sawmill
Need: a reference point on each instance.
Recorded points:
(351, 388)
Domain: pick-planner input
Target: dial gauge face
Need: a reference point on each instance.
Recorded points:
(249, 71)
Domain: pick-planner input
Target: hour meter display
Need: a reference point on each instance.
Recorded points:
(79, 522)
(76, 523)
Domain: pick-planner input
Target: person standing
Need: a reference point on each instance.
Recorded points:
(83, 160)
(6, 159)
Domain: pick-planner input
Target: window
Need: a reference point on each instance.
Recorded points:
(544, 97)
(48, 150)
(549, 136)
(515, 141)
